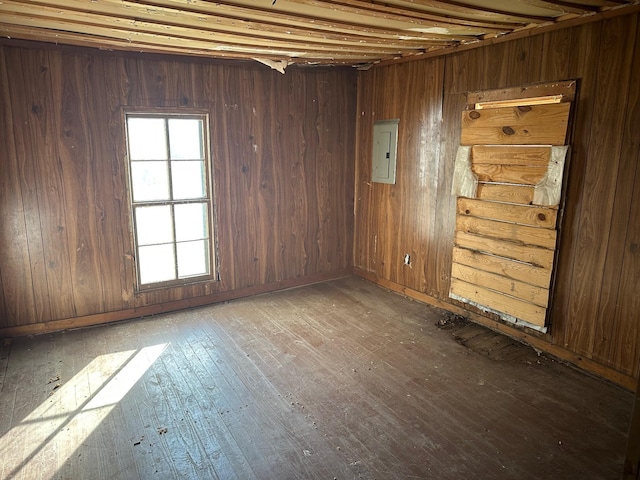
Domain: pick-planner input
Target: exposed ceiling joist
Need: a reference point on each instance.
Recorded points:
(283, 32)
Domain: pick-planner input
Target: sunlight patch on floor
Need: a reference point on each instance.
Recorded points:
(56, 428)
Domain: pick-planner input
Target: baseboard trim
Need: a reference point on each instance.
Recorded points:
(147, 310)
(591, 366)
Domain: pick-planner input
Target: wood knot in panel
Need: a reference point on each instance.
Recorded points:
(474, 115)
(542, 217)
(508, 131)
(524, 108)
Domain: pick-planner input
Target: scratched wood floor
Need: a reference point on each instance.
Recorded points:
(337, 380)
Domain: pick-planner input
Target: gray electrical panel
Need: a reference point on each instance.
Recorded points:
(385, 140)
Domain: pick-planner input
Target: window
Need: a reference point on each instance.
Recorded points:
(170, 198)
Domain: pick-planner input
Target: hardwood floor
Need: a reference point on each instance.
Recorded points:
(337, 380)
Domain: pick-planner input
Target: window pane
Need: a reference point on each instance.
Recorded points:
(185, 139)
(147, 138)
(154, 225)
(193, 258)
(191, 221)
(150, 181)
(156, 263)
(188, 180)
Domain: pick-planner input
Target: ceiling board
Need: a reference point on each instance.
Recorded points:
(328, 32)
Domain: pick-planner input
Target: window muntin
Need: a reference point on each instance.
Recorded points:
(170, 198)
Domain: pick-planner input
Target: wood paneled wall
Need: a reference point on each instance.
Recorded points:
(282, 149)
(596, 304)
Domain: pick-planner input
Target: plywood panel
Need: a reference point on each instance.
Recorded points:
(535, 125)
(541, 237)
(516, 270)
(505, 193)
(540, 257)
(535, 216)
(529, 293)
(503, 303)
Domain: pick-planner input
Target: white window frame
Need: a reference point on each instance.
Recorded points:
(212, 274)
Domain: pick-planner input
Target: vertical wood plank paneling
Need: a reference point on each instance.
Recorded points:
(592, 310)
(619, 293)
(43, 143)
(4, 313)
(456, 83)
(583, 64)
(405, 211)
(600, 180)
(75, 133)
(555, 56)
(282, 150)
(520, 69)
(18, 302)
(624, 345)
(30, 147)
(111, 247)
(365, 215)
(334, 134)
(220, 153)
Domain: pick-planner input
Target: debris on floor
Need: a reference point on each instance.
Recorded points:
(451, 320)
(484, 341)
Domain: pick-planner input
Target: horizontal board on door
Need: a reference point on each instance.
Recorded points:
(538, 256)
(499, 302)
(524, 272)
(529, 293)
(541, 237)
(528, 125)
(566, 88)
(520, 174)
(536, 216)
(522, 194)
(531, 155)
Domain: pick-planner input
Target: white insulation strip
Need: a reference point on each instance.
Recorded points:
(465, 182)
(503, 316)
(547, 191)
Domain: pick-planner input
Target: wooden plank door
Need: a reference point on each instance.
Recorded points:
(508, 180)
